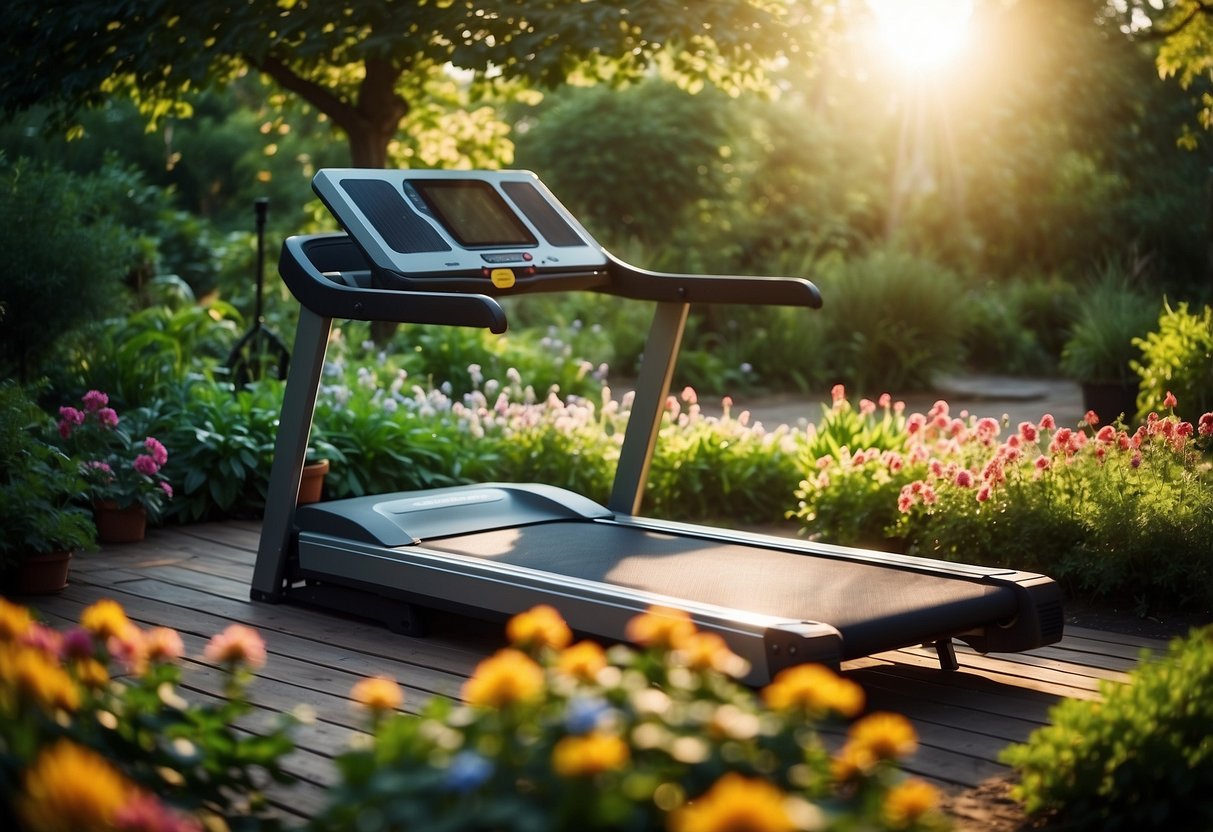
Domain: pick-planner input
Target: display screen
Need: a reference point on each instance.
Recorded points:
(473, 212)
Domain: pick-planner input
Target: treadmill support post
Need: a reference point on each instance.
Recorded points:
(644, 423)
(290, 453)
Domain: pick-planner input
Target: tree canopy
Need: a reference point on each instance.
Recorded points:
(366, 65)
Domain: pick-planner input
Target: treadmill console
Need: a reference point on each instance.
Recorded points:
(487, 232)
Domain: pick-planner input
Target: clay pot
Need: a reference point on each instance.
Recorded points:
(43, 574)
(119, 525)
(311, 484)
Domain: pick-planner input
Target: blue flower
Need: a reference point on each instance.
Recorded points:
(467, 772)
(585, 714)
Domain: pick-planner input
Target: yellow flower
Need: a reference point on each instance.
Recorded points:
(37, 678)
(885, 736)
(662, 628)
(15, 621)
(539, 627)
(91, 673)
(236, 644)
(72, 789)
(584, 661)
(851, 762)
(735, 804)
(907, 802)
(814, 689)
(588, 755)
(106, 619)
(378, 694)
(506, 677)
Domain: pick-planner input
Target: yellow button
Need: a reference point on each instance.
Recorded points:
(502, 278)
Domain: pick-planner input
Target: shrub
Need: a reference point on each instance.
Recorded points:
(1018, 326)
(1101, 346)
(65, 260)
(1138, 759)
(1177, 358)
(555, 735)
(892, 320)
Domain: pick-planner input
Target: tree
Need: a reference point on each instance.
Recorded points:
(365, 65)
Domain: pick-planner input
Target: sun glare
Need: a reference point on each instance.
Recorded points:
(922, 35)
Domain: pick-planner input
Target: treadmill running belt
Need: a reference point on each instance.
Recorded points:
(864, 602)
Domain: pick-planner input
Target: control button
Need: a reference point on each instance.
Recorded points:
(502, 278)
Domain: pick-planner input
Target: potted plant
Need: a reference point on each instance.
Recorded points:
(1100, 350)
(40, 515)
(124, 475)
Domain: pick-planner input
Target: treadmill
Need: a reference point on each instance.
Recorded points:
(439, 247)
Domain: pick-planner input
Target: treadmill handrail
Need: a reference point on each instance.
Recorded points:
(312, 288)
(642, 284)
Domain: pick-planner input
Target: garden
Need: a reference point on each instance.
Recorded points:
(1075, 246)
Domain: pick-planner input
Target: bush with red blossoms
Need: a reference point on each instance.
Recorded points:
(117, 466)
(1110, 513)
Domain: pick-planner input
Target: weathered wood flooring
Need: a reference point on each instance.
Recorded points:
(195, 579)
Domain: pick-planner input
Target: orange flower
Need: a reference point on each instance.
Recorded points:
(735, 803)
(163, 644)
(584, 661)
(91, 673)
(106, 619)
(378, 694)
(539, 627)
(506, 677)
(70, 788)
(587, 755)
(906, 802)
(814, 689)
(235, 645)
(662, 628)
(709, 651)
(886, 736)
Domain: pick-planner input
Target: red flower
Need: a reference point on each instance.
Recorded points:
(1092, 418)
(1206, 424)
(1170, 400)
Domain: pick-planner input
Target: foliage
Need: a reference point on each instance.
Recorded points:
(1089, 509)
(66, 260)
(1177, 359)
(1018, 327)
(1137, 759)
(556, 735)
(39, 487)
(96, 733)
(117, 467)
(353, 67)
(1102, 344)
(140, 357)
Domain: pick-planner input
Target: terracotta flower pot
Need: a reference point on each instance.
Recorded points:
(311, 484)
(119, 525)
(44, 573)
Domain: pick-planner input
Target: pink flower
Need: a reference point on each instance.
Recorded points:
(1042, 463)
(1106, 435)
(838, 394)
(1092, 418)
(164, 644)
(1170, 400)
(964, 478)
(235, 645)
(689, 396)
(983, 493)
(885, 400)
(69, 417)
(1206, 424)
(108, 417)
(143, 812)
(1061, 440)
(915, 423)
(867, 406)
(94, 400)
(1136, 460)
(156, 449)
(166, 488)
(1047, 422)
(893, 460)
(1028, 431)
(77, 643)
(145, 465)
(929, 497)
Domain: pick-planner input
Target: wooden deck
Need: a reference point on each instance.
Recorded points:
(196, 580)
